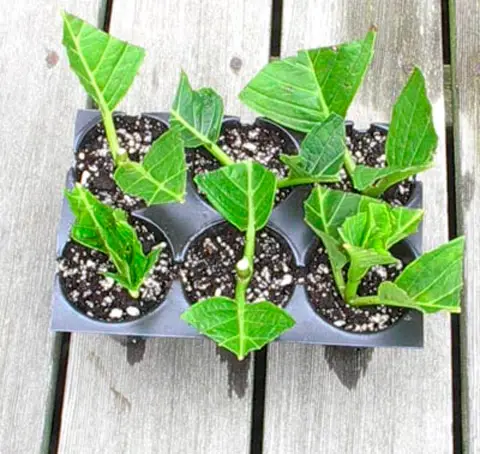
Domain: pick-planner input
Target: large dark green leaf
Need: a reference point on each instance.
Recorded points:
(105, 65)
(239, 192)
(321, 152)
(196, 115)
(411, 140)
(161, 177)
(98, 226)
(301, 91)
(238, 331)
(431, 283)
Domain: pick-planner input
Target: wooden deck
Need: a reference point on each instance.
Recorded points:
(92, 394)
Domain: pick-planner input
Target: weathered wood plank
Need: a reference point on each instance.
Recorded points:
(37, 104)
(465, 71)
(164, 395)
(336, 400)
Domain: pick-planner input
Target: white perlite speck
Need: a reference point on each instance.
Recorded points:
(287, 280)
(133, 311)
(84, 178)
(116, 313)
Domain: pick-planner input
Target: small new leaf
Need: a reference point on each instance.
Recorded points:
(321, 153)
(325, 211)
(300, 92)
(365, 238)
(259, 324)
(357, 228)
(197, 116)
(239, 192)
(161, 177)
(411, 141)
(431, 283)
(100, 227)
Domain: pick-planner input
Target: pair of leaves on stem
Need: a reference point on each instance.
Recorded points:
(105, 229)
(106, 67)
(360, 230)
(244, 194)
(197, 116)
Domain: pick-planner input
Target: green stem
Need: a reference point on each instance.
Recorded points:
(244, 270)
(339, 280)
(212, 147)
(374, 191)
(112, 138)
(134, 293)
(349, 163)
(219, 154)
(351, 289)
(366, 301)
(289, 181)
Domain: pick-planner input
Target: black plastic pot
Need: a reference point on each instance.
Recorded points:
(179, 226)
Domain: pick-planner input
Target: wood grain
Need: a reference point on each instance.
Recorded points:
(37, 108)
(337, 400)
(466, 96)
(172, 396)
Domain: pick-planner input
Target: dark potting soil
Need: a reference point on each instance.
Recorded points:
(326, 301)
(101, 298)
(94, 165)
(368, 148)
(240, 142)
(209, 266)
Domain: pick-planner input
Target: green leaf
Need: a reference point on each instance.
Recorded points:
(325, 211)
(368, 229)
(411, 140)
(321, 152)
(100, 227)
(435, 280)
(241, 333)
(196, 115)
(431, 283)
(404, 222)
(161, 177)
(383, 178)
(362, 227)
(105, 65)
(361, 260)
(240, 190)
(365, 237)
(300, 92)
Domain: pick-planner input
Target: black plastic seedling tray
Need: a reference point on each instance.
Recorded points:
(181, 223)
